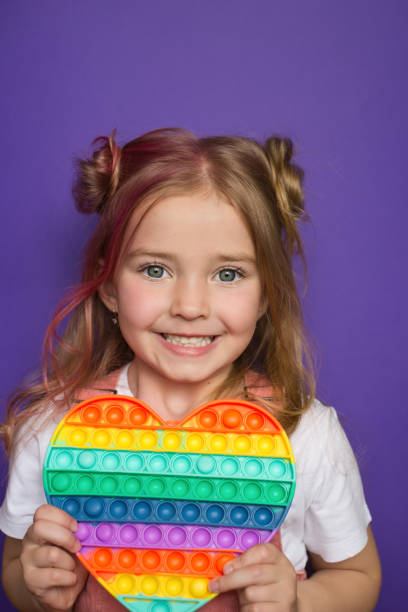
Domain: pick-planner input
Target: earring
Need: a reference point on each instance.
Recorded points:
(115, 318)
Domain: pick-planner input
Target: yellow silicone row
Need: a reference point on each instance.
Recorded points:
(158, 585)
(262, 445)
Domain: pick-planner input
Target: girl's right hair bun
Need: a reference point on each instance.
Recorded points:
(97, 178)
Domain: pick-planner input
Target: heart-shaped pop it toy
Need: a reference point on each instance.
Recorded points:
(163, 506)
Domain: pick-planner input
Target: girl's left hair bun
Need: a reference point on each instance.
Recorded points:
(97, 177)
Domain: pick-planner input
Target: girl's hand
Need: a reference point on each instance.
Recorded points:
(51, 571)
(264, 578)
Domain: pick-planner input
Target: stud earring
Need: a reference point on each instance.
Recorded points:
(115, 318)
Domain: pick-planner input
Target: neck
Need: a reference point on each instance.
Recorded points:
(173, 400)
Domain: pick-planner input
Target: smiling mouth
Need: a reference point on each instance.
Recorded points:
(188, 340)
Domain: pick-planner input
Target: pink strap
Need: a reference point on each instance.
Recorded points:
(105, 385)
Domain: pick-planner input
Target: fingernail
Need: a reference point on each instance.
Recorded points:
(214, 586)
(228, 568)
(77, 546)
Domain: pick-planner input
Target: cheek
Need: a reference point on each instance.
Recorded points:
(138, 305)
(242, 311)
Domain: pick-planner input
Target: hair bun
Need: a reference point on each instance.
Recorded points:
(97, 177)
(287, 178)
(287, 181)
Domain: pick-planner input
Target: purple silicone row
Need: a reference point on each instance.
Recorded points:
(140, 535)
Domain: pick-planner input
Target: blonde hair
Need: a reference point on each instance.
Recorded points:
(261, 181)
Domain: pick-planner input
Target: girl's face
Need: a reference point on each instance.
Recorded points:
(188, 293)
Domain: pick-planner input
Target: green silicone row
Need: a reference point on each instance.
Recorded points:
(167, 487)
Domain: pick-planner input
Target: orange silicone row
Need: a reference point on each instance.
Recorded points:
(139, 561)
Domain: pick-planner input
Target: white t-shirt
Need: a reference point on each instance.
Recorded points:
(328, 516)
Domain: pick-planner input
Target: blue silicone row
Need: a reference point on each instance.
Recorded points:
(90, 509)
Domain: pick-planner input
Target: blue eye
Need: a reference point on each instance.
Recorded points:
(228, 275)
(154, 271)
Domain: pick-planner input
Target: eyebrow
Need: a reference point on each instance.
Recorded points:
(244, 257)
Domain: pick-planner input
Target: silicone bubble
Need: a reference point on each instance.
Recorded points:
(229, 467)
(118, 509)
(91, 415)
(255, 421)
(158, 463)
(64, 459)
(150, 560)
(202, 537)
(277, 468)
(126, 559)
(78, 437)
(166, 511)
(177, 536)
(138, 417)
(175, 561)
(115, 415)
(131, 487)
(206, 464)
(142, 510)
(104, 532)
(101, 439)
(72, 506)
(156, 487)
(163, 507)
(103, 557)
(124, 439)
(171, 441)
(208, 419)
(232, 418)
(249, 539)
(108, 485)
(194, 442)
(181, 465)
(87, 459)
(153, 535)
(253, 468)
(174, 587)
(218, 443)
(129, 534)
(190, 513)
(226, 539)
(239, 515)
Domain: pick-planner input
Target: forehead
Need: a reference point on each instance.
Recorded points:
(182, 221)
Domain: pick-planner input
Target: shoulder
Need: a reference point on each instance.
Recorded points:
(319, 435)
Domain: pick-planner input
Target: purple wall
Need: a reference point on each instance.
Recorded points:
(332, 75)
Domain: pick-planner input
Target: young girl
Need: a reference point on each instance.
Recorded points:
(188, 295)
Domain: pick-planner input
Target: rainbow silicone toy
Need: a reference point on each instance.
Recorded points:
(163, 506)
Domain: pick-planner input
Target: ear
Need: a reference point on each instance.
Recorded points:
(107, 293)
(263, 307)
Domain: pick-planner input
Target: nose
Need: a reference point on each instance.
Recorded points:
(190, 299)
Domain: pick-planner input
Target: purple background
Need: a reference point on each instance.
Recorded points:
(331, 75)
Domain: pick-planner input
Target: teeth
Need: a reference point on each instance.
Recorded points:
(192, 341)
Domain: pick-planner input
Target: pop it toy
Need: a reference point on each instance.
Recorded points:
(162, 506)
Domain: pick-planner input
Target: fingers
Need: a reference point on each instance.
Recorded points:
(255, 566)
(52, 525)
(51, 556)
(41, 579)
(56, 515)
(42, 532)
(264, 579)
(256, 574)
(261, 553)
